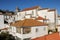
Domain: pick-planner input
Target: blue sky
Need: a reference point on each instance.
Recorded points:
(11, 4)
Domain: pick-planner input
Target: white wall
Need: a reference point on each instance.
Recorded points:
(12, 29)
(34, 14)
(1, 21)
(28, 16)
(40, 20)
(42, 30)
(58, 21)
(28, 12)
(58, 28)
(49, 15)
(19, 16)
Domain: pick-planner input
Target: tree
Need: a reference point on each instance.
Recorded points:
(6, 36)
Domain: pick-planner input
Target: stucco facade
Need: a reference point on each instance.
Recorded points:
(42, 30)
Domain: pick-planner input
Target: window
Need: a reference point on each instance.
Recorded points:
(44, 29)
(14, 19)
(5, 22)
(10, 27)
(26, 30)
(32, 12)
(36, 29)
(11, 16)
(18, 30)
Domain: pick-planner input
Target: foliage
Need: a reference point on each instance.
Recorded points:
(6, 36)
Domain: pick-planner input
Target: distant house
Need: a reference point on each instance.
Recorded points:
(1, 20)
(4, 19)
(51, 15)
(58, 23)
(28, 29)
(8, 15)
(27, 13)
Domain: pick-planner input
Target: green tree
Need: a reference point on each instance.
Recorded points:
(6, 36)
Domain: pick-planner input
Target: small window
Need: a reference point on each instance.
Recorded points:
(18, 30)
(14, 19)
(10, 27)
(36, 29)
(17, 15)
(26, 30)
(44, 29)
(11, 16)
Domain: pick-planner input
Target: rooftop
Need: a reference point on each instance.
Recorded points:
(40, 18)
(35, 7)
(28, 23)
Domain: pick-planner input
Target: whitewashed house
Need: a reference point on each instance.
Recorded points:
(4, 20)
(27, 13)
(49, 14)
(30, 22)
(9, 16)
(1, 21)
(58, 23)
(35, 12)
(31, 12)
(20, 16)
(28, 29)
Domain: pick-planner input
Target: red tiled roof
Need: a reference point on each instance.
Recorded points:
(54, 36)
(35, 7)
(40, 18)
(28, 23)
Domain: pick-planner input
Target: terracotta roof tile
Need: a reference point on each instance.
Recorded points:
(54, 36)
(35, 7)
(28, 23)
(40, 18)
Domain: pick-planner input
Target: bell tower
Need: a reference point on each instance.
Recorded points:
(17, 10)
